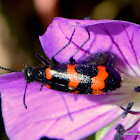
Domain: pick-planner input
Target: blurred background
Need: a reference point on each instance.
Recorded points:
(22, 21)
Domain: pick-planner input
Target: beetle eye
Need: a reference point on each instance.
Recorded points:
(29, 74)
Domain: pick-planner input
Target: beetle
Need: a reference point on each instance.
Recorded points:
(94, 75)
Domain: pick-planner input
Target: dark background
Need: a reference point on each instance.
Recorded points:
(22, 21)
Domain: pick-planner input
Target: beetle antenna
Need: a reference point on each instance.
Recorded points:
(24, 101)
(9, 69)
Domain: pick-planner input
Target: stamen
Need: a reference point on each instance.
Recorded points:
(120, 132)
(127, 110)
(129, 106)
(133, 125)
(137, 89)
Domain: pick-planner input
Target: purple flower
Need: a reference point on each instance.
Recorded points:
(62, 115)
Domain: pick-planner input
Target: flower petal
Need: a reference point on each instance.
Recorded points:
(54, 114)
(117, 37)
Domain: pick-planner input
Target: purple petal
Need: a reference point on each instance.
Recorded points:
(47, 113)
(117, 37)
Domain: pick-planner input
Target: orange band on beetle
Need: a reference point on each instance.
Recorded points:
(99, 79)
(73, 76)
(48, 73)
(75, 92)
(97, 92)
(48, 86)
